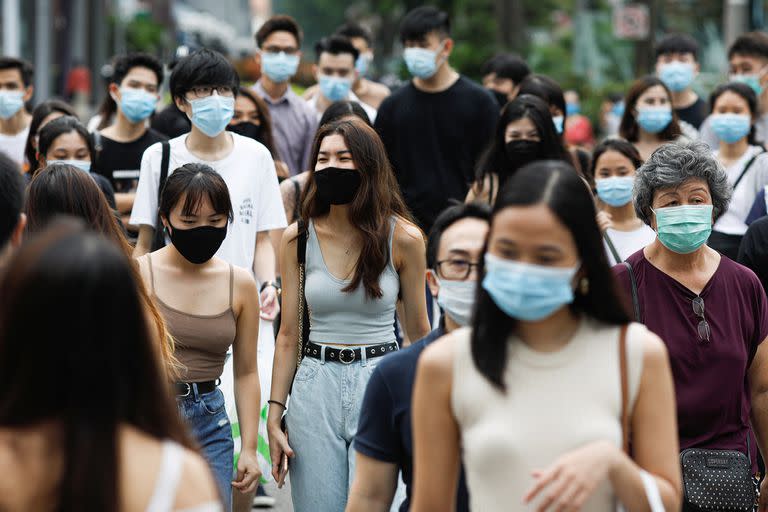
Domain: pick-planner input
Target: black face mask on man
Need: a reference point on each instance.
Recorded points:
(197, 245)
(337, 186)
(248, 129)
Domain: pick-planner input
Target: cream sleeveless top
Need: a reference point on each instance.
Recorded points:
(554, 403)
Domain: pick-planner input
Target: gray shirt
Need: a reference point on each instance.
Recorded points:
(708, 135)
(294, 123)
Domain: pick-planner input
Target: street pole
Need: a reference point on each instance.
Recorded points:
(11, 23)
(43, 34)
(735, 20)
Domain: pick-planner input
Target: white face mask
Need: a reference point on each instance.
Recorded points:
(457, 299)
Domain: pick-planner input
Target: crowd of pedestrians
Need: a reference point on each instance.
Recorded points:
(444, 296)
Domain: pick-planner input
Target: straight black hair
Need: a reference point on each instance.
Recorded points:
(350, 30)
(11, 197)
(336, 45)
(60, 126)
(448, 218)
(345, 108)
(421, 21)
(201, 68)
(751, 44)
(122, 65)
(620, 146)
(749, 96)
(677, 43)
(42, 111)
(279, 23)
(545, 88)
(507, 65)
(26, 69)
(195, 181)
(558, 186)
(629, 128)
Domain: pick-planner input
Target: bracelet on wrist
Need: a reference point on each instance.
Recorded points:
(272, 284)
(281, 404)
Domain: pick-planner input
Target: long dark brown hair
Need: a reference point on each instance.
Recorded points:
(629, 129)
(89, 367)
(267, 137)
(377, 200)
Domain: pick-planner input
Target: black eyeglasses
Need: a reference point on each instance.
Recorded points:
(703, 327)
(455, 269)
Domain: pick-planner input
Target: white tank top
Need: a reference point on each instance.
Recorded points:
(554, 403)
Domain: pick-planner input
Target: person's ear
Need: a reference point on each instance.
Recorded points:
(18, 232)
(114, 92)
(447, 46)
(28, 92)
(165, 223)
(432, 282)
(652, 218)
(182, 104)
(40, 159)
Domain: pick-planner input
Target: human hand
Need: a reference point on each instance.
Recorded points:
(570, 481)
(763, 502)
(279, 452)
(281, 168)
(248, 472)
(270, 307)
(604, 221)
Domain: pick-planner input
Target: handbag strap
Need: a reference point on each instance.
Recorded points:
(301, 257)
(746, 168)
(612, 248)
(633, 286)
(158, 240)
(624, 389)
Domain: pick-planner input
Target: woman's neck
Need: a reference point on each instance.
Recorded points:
(338, 216)
(673, 262)
(644, 137)
(178, 261)
(550, 334)
(730, 152)
(623, 217)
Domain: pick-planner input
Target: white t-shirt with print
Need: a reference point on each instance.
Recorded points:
(13, 145)
(249, 173)
(732, 221)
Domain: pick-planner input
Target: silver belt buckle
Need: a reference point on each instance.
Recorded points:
(341, 355)
(189, 389)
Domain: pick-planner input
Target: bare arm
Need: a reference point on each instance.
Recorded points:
(124, 201)
(435, 431)
(411, 263)
(144, 242)
(374, 485)
(264, 265)
(758, 384)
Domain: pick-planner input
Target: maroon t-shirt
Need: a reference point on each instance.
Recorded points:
(711, 386)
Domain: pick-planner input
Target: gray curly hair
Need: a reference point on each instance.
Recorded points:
(672, 165)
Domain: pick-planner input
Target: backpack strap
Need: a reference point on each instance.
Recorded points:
(158, 240)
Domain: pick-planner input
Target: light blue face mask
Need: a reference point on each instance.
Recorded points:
(363, 63)
(730, 128)
(683, 229)
(753, 81)
(558, 122)
(527, 292)
(279, 67)
(334, 88)
(457, 298)
(615, 191)
(137, 104)
(421, 62)
(677, 76)
(213, 113)
(571, 109)
(618, 109)
(654, 119)
(83, 165)
(10, 103)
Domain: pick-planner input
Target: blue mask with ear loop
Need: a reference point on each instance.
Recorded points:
(558, 122)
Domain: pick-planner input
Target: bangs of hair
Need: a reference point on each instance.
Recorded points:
(200, 188)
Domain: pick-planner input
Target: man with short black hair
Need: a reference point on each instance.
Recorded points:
(384, 440)
(436, 126)
(16, 90)
(12, 219)
(502, 75)
(335, 73)
(677, 65)
(294, 122)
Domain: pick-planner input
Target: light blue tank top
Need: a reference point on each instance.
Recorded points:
(344, 318)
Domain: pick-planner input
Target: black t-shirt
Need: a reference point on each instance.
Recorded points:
(434, 140)
(384, 429)
(171, 122)
(693, 114)
(120, 162)
(753, 252)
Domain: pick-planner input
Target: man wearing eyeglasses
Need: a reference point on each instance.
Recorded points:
(294, 122)
(384, 441)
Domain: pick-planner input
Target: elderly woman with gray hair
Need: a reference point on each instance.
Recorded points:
(710, 311)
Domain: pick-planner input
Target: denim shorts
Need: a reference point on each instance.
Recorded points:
(206, 417)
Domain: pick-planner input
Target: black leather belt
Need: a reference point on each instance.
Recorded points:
(348, 355)
(185, 388)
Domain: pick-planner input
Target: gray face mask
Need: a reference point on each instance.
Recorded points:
(457, 298)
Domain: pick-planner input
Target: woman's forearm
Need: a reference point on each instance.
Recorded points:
(248, 402)
(283, 369)
(628, 486)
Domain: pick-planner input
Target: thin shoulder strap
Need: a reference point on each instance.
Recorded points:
(301, 243)
(166, 486)
(612, 248)
(151, 274)
(624, 389)
(635, 295)
(746, 168)
(231, 285)
(296, 198)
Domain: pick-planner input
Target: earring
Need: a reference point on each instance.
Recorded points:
(584, 286)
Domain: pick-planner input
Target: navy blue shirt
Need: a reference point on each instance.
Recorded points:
(384, 431)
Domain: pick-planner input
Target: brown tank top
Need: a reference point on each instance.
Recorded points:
(202, 341)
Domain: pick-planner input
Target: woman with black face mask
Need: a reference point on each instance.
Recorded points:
(209, 306)
(361, 252)
(524, 133)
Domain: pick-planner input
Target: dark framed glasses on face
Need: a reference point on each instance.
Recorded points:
(704, 331)
(455, 269)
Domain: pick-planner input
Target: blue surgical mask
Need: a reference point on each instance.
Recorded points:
(213, 113)
(571, 109)
(730, 128)
(753, 81)
(618, 109)
(683, 229)
(137, 104)
(83, 165)
(558, 122)
(421, 62)
(362, 63)
(615, 191)
(654, 119)
(279, 67)
(457, 298)
(334, 88)
(527, 292)
(677, 76)
(10, 103)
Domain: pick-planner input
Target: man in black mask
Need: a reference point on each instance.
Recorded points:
(502, 75)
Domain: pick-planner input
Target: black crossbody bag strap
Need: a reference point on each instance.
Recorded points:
(746, 168)
(158, 240)
(612, 248)
(635, 296)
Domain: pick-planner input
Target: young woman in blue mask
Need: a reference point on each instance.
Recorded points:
(362, 253)
(734, 110)
(209, 307)
(711, 312)
(524, 133)
(614, 163)
(649, 120)
(66, 140)
(544, 345)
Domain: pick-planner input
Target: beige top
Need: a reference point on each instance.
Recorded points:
(554, 403)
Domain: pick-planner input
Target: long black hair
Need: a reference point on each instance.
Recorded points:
(60, 126)
(748, 95)
(75, 368)
(42, 111)
(556, 185)
(495, 159)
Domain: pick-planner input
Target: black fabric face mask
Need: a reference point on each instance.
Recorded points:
(198, 245)
(501, 98)
(521, 152)
(337, 186)
(247, 129)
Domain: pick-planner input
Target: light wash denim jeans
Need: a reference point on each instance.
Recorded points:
(207, 419)
(322, 422)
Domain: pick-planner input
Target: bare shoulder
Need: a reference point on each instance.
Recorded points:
(245, 284)
(408, 235)
(380, 91)
(196, 486)
(437, 359)
(655, 355)
(290, 234)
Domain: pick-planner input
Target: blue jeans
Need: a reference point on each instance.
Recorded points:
(322, 422)
(207, 419)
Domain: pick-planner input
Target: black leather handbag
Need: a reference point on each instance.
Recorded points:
(717, 480)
